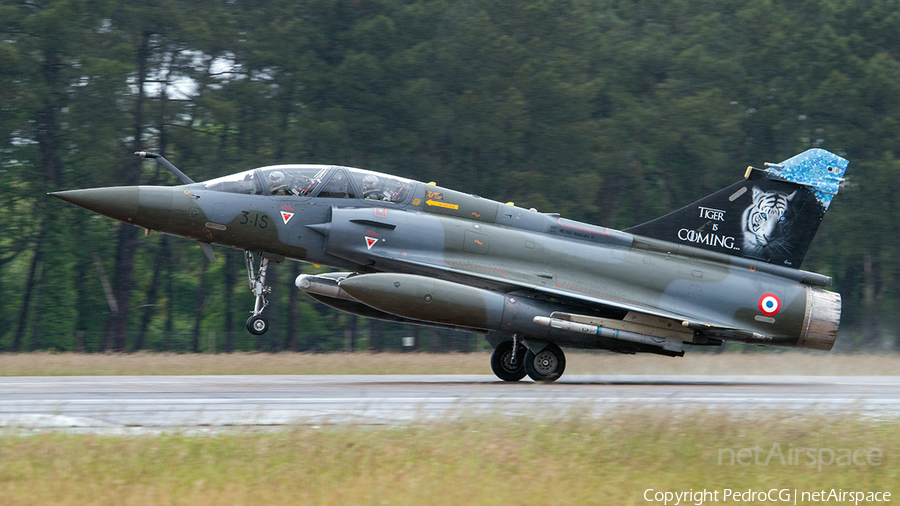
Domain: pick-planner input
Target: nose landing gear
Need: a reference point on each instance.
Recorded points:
(256, 324)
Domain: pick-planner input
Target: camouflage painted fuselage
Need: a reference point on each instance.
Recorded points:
(458, 260)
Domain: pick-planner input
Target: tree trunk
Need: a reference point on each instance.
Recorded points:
(293, 318)
(434, 341)
(84, 310)
(350, 333)
(417, 335)
(29, 289)
(48, 120)
(116, 331)
(376, 335)
(871, 326)
(228, 296)
(36, 327)
(170, 304)
(117, 324)
(163, 251)
(199, 305)
(152, 292)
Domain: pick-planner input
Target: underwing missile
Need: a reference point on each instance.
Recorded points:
(666, 343)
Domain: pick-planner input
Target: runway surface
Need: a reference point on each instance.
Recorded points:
(174, 403)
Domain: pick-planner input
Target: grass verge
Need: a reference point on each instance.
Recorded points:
(478, 460)
(786, 363)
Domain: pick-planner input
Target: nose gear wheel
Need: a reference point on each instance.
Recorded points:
(256, 324)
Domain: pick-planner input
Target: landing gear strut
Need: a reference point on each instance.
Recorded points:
(257, 325)
(507, 365)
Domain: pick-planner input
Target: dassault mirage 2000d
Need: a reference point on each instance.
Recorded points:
(725, 268)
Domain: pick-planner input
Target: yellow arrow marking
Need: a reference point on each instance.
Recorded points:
(441, 204)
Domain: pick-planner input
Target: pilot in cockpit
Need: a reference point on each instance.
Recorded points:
(276, 183)
(371, 190)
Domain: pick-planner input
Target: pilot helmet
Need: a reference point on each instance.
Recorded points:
(370, 181)
(276, 177)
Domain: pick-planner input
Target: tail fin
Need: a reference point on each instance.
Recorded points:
(771, 216)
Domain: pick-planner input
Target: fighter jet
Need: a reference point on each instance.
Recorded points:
(725, 268)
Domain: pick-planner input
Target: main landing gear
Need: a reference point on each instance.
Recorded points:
(507, 365)
(547, 365)
(256, 324)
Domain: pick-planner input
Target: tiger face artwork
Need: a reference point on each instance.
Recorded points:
(763, 222)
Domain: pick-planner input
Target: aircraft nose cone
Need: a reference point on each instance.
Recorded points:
(120, 203)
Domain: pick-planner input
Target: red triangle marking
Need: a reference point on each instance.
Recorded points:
(286, 216)
(370, 241)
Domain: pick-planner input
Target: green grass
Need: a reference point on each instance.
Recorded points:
(471, 460)
(766, 363)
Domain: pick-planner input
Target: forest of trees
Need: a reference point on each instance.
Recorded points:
(607, 111)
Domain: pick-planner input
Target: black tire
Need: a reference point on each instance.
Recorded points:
(546, 365)
(500, 362)
(257, 325)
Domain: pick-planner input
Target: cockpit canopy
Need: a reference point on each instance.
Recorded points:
(242, 182)
(291, 180)
(318, 181)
